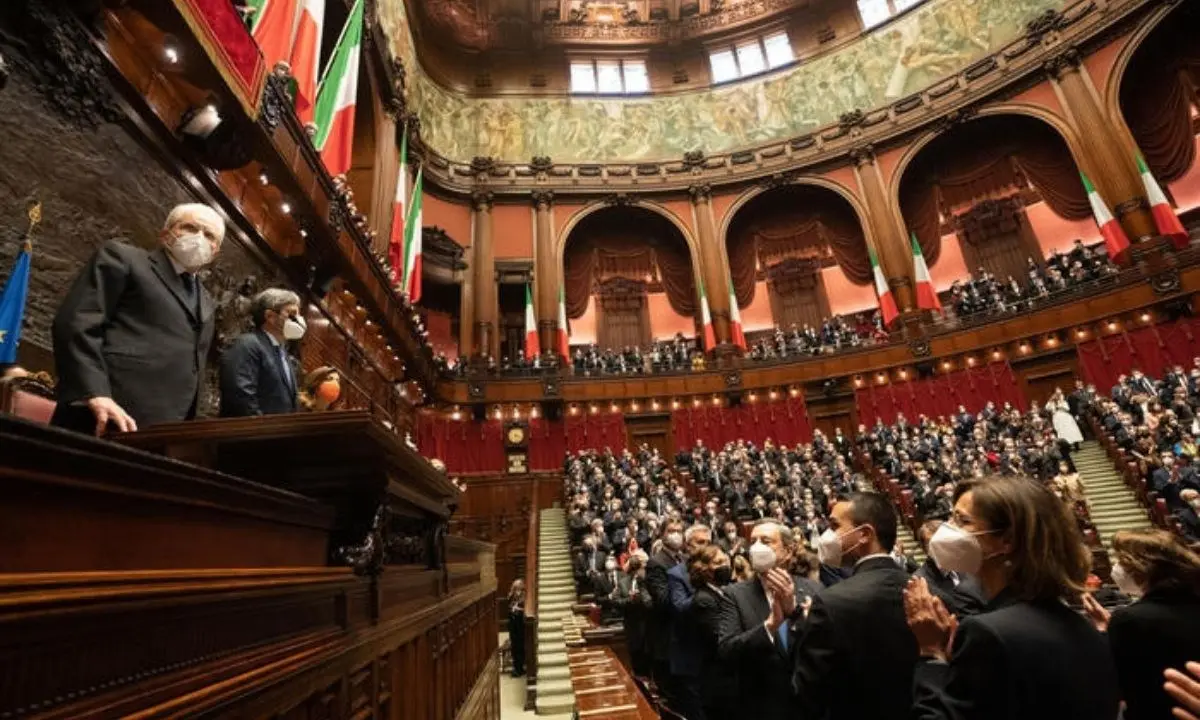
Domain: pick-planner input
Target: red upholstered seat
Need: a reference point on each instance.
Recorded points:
(27, 398)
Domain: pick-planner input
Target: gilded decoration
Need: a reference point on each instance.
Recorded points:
(920, 48)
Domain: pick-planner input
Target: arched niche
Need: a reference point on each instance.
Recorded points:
(1155, 91)
(634, 269)
(786, 238)
(978, 180)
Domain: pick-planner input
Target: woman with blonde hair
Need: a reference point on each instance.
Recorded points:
(1028, 654)
(1162, 629)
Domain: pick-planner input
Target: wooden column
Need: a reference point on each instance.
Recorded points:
(890, 246)
(484, 290)
(546, 272)
(712, 269)
(1107, 157)
(466, 307)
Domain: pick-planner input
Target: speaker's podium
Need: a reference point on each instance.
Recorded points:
(292, 566)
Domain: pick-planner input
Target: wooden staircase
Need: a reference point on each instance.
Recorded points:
(555, 597)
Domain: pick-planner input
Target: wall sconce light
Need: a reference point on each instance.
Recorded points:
(533, 412)
(858, 381)
(171, 54)
(595, 409)
(286, 208)
(633, 406)
(795, 391)
(1146, 317)
(903, 374)
(614, 408)
(773, 395)
(1112, 325)
(1025, 348)
(753, 397)
(970, 361)
(995, 354)
(716, 401)
(695, 402)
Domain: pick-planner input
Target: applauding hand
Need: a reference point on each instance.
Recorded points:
(931, 623)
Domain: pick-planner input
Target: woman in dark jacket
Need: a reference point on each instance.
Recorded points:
(1027, 655)
(1162, 629)
(709, 570)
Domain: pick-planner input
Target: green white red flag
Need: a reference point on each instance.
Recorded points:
(337, 96)
(1164, 215)
(413, 224)
(273, 25)
(532, 346)
(887, 302)
(927, 298)
(306, 56)
(737, 334)
(1115, 240)
(564, 332)
(710, 339)
(397, 238)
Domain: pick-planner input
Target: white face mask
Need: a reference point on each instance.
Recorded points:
(829, 548)
(192, 251)
(1124, 582)
(762, 557)
(294, 328)
(956, 550)
(674, 540)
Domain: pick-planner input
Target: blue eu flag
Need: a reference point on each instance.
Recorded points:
(12, 307)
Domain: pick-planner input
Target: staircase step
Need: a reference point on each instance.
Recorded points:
(553, 673)
(554, 704)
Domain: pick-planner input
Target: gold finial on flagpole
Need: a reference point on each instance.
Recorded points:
(35, 217)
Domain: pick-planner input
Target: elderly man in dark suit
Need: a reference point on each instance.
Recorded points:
(856, 657)
(257, 373)
(760, 625)
(132, 335)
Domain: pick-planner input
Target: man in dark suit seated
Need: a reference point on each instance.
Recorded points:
(961, 594)
(856, 657)
(760, 625)
(257, 375)
(132, 335)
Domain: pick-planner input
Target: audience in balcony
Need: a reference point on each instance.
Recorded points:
(984, 293)
(835, 335)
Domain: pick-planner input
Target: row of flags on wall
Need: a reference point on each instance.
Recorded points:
(289, 31)
(1116, 243)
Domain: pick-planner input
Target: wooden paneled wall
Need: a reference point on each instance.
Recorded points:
(496, 509)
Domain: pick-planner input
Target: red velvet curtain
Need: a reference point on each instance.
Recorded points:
(602, 430)
(1151, 349)
(983, 159)
(940, 395)
(785, 422)
(795, 222)
(1157, 94)
(547, 444)
(633, 245)
(465, 446)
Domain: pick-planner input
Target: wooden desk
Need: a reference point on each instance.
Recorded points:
(603, 687)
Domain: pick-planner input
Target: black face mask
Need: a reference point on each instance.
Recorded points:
(723, 575)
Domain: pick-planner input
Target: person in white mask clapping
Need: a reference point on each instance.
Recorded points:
(760, 623)
(1029, 654)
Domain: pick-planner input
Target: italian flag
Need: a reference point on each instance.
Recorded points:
(710, 340)
(306, 56)
(273, 25)
(532, 347)
(396, 240)
(336, 95)
(412, 240)
(1114, 237)
(564, 332)
(927, 298)
(735, 320)
(1164, 216)
(887, 303)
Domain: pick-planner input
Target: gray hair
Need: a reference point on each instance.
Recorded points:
(785, 533)
(179, 212)
(271, 299)
(692, 530)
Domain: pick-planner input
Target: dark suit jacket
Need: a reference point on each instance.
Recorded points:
(636, 609)
(961, 600)
(856, 657)
(684, 648)
(1160, 631)
(763, 663)
(253, 381)
(660, 615)
(1020, 660)
(718, 679)
(126, 331)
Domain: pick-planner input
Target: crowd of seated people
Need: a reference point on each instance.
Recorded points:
(835, 335)
(1003, 620)
(1155, 423)
(983, 292)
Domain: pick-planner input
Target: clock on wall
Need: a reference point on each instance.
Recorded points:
(516, 435)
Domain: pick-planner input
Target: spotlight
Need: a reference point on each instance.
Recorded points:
(303, 233)
(171, 54)
(263, 179)
(286, 208)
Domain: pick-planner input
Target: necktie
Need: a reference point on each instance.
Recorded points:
(782, 633)
(190, 291)
(287, 367)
